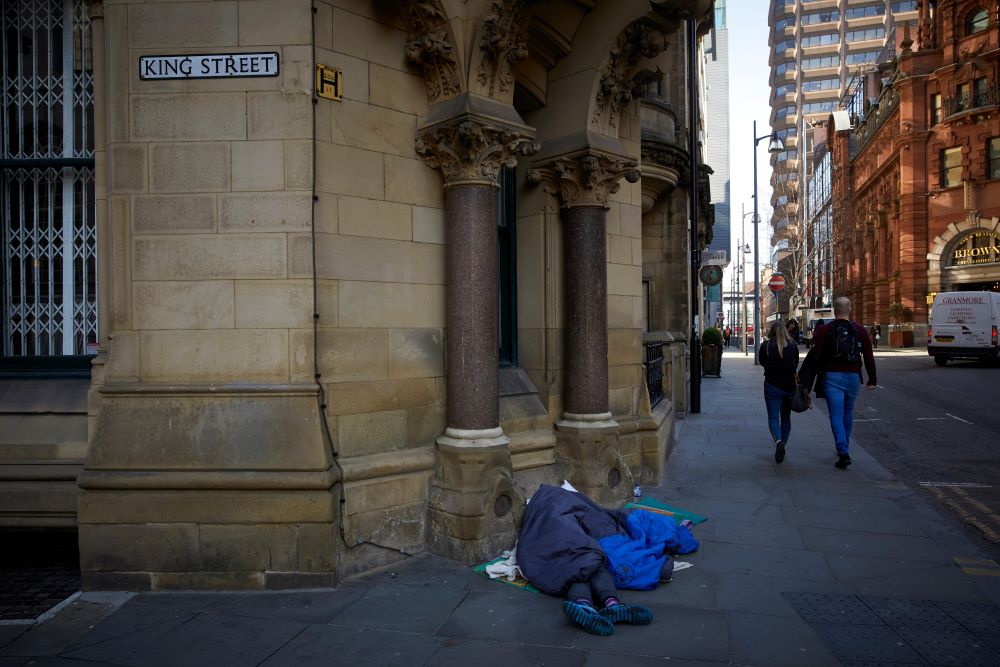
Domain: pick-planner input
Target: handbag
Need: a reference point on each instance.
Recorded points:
(800, 399)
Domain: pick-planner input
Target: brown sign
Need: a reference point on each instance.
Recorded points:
(978, 247)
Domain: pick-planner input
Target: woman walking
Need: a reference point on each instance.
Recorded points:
(780, 357)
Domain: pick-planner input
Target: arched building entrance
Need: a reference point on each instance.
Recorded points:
(966, 257)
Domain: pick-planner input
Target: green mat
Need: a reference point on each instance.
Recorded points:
(520, 582)
(678, 514)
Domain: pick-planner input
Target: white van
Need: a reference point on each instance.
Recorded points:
(964, 326)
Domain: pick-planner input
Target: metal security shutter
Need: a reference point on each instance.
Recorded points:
(47, 184)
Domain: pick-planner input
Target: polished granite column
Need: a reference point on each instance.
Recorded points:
(474, 508)
(586, 314)
(587, 451)
(472, 310)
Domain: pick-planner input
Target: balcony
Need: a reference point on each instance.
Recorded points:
(970, 104)
(875, 114)
(658, 119)
(788, 76)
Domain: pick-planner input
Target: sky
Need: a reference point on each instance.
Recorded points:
(749, 93)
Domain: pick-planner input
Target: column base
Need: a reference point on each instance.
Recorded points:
(587, 455)
(474, 508)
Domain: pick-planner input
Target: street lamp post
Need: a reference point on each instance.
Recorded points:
(774, 146)
(744, 249)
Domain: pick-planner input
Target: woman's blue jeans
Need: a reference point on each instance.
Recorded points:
(779, 412)
(841, 391)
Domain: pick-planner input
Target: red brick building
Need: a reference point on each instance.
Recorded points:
(916, 167)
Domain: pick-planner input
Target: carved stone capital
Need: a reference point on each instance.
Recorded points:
(432, 48)
(469, 150)
(619, 81)
(585, 180)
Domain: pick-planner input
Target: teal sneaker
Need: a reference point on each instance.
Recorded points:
(588, 618)
(632, 614)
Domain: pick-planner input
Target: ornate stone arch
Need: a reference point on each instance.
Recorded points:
(587, 90)
(944, 245)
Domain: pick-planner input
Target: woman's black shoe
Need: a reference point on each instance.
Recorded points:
(779, 451)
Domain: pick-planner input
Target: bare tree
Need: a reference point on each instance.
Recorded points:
(788, 238)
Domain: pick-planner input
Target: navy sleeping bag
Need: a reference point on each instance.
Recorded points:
(558, 544)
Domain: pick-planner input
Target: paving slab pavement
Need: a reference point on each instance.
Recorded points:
(800, 564)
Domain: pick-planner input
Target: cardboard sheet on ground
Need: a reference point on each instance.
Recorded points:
(678, 514)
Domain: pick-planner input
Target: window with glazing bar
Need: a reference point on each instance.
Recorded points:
(951, 167)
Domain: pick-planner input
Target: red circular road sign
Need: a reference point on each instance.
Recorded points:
(776, 283)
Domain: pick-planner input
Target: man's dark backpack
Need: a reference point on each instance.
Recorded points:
(844, 342)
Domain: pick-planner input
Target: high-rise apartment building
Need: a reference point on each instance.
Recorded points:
(817, 48)
(717, 125)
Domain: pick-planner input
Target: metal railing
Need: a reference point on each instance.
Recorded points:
(654, 371)
(875, 117)
(969, 101)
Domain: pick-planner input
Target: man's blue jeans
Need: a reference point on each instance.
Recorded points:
(841, 391)
(779, 412)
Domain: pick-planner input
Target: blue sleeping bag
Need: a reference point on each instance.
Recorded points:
(636, 560)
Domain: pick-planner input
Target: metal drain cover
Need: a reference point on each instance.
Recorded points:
(871, 630)
(905, 613)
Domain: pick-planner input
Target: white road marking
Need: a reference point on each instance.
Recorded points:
(958, 418)
(866, 420)
(964, 485)
(926, 419)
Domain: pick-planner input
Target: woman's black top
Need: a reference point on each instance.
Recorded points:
(780, 370)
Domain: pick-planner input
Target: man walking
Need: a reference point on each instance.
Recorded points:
(839, 349)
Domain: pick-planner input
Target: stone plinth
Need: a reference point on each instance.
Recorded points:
(587, 454)
(474, 508)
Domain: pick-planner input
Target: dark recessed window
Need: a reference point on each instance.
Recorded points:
(963, 97)
(507, 265)
(993, 155)
(980, 95)
(977, 22)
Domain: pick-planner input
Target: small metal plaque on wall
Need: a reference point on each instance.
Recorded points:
(329, 82)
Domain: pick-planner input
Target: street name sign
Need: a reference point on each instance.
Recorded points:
(208, 66)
